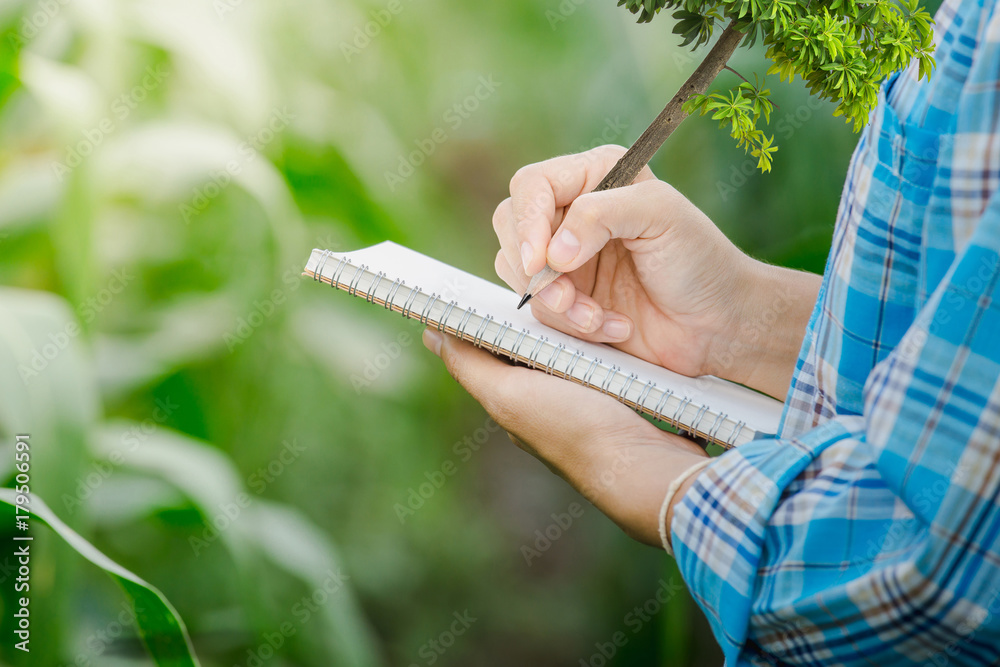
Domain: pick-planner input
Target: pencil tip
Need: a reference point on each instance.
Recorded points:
(524, 300)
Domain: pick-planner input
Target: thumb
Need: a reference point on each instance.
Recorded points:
(640, 210)
(484, 376)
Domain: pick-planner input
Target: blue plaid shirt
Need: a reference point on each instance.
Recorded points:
(867, 532)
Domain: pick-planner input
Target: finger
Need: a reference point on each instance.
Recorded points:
(503, 225)
(558, 296)
(508, 263)
(597, 325)
(488, 379)
(515, 278)
(561, 306)
(642, 210)
(538, 190)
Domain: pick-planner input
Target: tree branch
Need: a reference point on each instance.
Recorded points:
(642, 151)
(727, 67)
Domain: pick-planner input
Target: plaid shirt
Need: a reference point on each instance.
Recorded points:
(867, 532)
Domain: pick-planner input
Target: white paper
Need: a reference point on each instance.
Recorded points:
(718, 397)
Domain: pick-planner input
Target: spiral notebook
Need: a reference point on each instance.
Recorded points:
(479, 311)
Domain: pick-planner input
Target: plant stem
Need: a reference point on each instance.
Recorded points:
(642, 151)
(727, 67)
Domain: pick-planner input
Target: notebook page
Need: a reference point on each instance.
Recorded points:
(761, 413)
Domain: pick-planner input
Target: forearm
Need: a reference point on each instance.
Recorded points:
(771, 309)
(632, 496)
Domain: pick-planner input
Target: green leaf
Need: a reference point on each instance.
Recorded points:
(763, 152)
(159, 624)
(292, 543)
(263, 529)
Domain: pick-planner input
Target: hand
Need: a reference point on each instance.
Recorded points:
(619, 461)
(649, 273)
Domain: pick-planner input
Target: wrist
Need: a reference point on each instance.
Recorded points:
(767, 318)
(675, 492)
(631, 493)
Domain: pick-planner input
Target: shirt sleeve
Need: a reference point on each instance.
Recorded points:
(870, 539)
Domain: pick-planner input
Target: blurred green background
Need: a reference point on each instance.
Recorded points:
(165, 169)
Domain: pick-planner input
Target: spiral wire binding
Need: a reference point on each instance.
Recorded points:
(625, 387)
(662, 403)
(676, 419)
(410, 299)
(550, 365)
(466, 316)
(356, 280)
(518, 342)
(533, 356)
(443, 322)
(713, 430)
(641, 401)
(370, 297)
(425, 312)
(736, 433)
(335, 280)
(571, 366)
(390, 299)
(504, 328)
(698, 417)
(318, 273)
(612, 372)
(477, 340)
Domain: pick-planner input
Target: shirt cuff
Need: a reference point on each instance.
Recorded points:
(718, 527)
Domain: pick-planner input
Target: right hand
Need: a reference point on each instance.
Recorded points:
(645, 270)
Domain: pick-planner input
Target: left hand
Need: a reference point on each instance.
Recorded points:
(619, 461)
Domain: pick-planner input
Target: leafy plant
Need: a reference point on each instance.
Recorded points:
(159, 624)
(842, 49)
(162, 340)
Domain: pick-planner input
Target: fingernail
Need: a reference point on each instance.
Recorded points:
(581, 315)
(564, 247)
(617, 329)
(550, 295)
(432, 340)
(526, 254)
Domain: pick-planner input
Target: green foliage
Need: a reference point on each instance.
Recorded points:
(11, 47)
(842, 49)
(740, 109)
(158, 623)
(152, 420)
